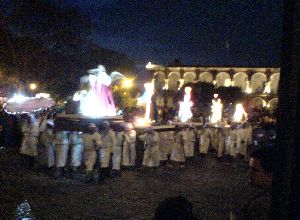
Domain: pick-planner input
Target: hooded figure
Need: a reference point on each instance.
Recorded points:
(152, 152)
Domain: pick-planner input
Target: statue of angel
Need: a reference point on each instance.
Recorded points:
(99, 100)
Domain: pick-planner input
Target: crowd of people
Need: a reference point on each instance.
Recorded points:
(104, 152)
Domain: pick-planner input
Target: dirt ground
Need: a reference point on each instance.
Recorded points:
(214, 188)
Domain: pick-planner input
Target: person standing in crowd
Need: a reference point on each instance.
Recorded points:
(91, 144)
(177, 155)
(76, 145)
(61, 150)
(204, 134)
(108, 138)
(129, 151)
(164, 148)
(221, 135)
(260, 176)
(152, 153)
(42, 150)
(121, 139)
(189, 145)
(231, 145)
(29, 149)
(47, 139)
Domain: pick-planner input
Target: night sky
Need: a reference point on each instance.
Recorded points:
(200, 32)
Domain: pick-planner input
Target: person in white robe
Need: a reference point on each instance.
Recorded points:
(129, 150)
(76, 145)
(164, 147)
(91, 144)
(189, 144)
(61, 151)
(47, 138)
(121, 139)
(204, 134)
(151, 153)
(177, 155)
(108, 138)
(231, 143)
(30, 131)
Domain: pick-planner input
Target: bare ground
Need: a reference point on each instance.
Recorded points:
(214, 188)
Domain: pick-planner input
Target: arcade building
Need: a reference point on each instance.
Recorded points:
(260, 83)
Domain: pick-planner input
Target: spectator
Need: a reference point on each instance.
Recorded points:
(260, 175)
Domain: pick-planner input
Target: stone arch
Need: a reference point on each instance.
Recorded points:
(258, 81)
(240, 80)
(174, 77)
(206, 77)
(272, 105)
(189, 77)
(159, 80)
(258, 102)
(221, 78)
(274, 81)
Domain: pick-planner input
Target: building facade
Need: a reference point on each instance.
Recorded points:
(260, 83)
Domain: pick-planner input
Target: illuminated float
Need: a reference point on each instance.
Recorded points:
(96, 102)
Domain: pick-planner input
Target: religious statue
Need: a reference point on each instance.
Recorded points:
(98, 100)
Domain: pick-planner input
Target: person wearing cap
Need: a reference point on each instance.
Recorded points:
(129, 151)
(152, 153)
(61, 149)
(108, 138)
(121, 139)
(76, 145)
(91, 144)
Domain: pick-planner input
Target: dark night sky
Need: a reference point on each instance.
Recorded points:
(201, 32)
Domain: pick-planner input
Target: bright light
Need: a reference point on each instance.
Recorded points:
(18, 98)
(185, 112)
(216, 110)
(79, 95)
(149, 65)
(127, 83)
(239, 113)
(32, 86)
(42, 95)
(142, 122)
(227, 82)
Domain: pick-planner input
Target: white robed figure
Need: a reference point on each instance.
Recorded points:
(99, 100)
